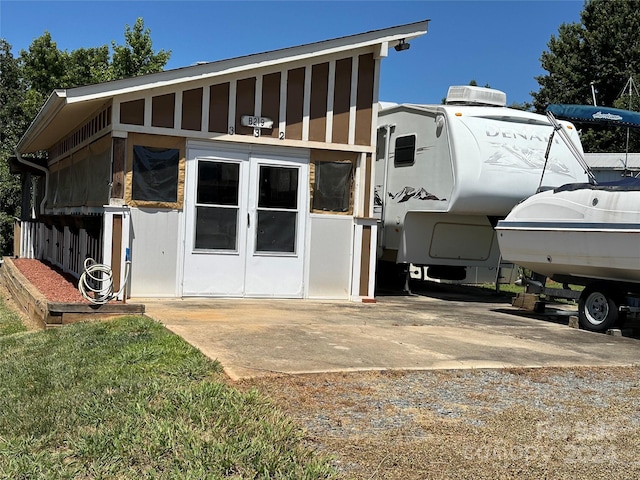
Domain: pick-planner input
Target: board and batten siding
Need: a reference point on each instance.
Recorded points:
(330, 102)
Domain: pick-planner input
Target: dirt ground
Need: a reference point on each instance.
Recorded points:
(475, 424)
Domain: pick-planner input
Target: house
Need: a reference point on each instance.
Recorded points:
(251, 176)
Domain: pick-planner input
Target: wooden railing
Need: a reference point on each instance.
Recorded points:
(63, 246)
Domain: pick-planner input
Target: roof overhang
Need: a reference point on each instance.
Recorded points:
(66, 109)
(16, 167)
(56, 118)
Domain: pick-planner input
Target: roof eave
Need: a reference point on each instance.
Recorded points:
(392, 36)
(56, 101)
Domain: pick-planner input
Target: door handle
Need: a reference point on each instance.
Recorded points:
(248, 220)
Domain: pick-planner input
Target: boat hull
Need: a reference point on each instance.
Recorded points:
(578, 234)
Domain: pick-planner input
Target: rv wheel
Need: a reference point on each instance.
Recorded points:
(597, 308)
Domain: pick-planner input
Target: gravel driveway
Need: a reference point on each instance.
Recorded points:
(477, 424)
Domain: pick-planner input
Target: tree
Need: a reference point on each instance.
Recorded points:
(12, 124)
(86, 66)
(44, 69)
(604, 49)
(136, 56)
(26, 83)
(526, 106)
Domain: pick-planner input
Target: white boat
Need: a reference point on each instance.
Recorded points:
(585, 234)
(577, 233)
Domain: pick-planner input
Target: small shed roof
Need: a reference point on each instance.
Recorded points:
(66, 109)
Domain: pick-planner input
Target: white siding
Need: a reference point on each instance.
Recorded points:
(330, 256)
(154, 252)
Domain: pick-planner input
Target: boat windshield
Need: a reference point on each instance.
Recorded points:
(624, 184)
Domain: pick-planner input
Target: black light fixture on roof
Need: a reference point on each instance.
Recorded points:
(402, 46)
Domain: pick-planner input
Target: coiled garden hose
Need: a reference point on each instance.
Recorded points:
(96, 282)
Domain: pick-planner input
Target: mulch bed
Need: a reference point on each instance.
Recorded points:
(55, 285)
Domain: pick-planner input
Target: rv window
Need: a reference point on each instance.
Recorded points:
(405, 152)
(332, 192)
(155, 174)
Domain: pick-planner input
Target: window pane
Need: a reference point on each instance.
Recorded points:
(278, 187)
(276, 231)
(216, 228)
(405, 150)
(332, 186)
(218, 183)
(155, 174)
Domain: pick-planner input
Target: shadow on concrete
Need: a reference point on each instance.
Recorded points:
(447, 291)
(560, 317)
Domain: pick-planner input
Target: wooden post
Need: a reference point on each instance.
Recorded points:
(118, 168)
(365, 260)
(116, 251)
(16, 237)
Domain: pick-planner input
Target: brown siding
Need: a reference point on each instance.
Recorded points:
(295, 103)
(271, 101)
(364, 263)
(116, 250)
(192, 109)
(245, 103)
(318, 110)
(367, 185)
(117, 176)
(342, 101)
(132, 113)
(364, 99)
(163, 110)
(219, 108)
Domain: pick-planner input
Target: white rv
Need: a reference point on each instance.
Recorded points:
(445, 174)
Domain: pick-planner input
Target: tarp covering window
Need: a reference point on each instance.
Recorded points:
(155, 174)
(332, 186)
(331, 181)
(81, 179)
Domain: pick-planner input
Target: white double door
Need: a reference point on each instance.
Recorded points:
(245, 224)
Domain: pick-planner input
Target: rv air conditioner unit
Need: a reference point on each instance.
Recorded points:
(470, 95)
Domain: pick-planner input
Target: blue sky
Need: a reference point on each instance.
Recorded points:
(493, 42)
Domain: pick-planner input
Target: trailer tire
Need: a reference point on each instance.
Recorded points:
(598, 308)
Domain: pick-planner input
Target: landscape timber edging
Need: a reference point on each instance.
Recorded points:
(47, 313)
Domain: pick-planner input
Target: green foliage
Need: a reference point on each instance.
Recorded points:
(45, 68)
(127, 399)
(10, 322)
(526, 106)
(86, 66)
(43, 65)
(27, 82)
(12, 124)
(136, 56)
(603, 49)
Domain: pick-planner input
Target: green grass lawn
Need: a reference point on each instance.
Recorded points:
(128, 399)
(10, 322)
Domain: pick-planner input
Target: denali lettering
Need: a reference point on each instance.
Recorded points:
(513, 134)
